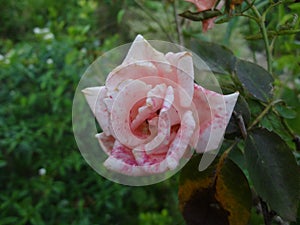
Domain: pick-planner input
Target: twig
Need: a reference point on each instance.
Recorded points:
(241, 124)
(260, 116)
(267, 215)
(263, 113)
(178, 27)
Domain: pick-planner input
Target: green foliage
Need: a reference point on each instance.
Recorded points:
(161, 218)
(256, 80)
(270, 161)
(277, 174)
(219, 58)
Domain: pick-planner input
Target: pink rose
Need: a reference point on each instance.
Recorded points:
(203, 5)
(153, 114)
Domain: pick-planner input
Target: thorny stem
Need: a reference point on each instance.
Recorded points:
(261, 23)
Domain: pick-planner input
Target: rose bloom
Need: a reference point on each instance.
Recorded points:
(153, 114)
(203, 5)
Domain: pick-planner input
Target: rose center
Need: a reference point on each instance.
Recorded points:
(140, 115)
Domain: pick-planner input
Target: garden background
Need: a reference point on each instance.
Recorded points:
(45, 47)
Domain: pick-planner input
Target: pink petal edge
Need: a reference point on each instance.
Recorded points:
(218, 111)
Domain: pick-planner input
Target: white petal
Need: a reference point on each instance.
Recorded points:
(183, 61)
(181, 142)
(163, 133)
(120, 113)
(117, 165)
(153, 102)
(95, 98)
(164, 125)
(134, 71)
(112, 94)
(141, 50)
(145, 159)
(214, 111)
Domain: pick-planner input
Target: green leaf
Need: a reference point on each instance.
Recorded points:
(273, 171)
(120, 16)
(233, 192)
(255, 79)
(9, 220)
(291, 98)
(219, 59)
(286, 111)
(200, 16)
(218, 195)
(2, 163)
(237, 156)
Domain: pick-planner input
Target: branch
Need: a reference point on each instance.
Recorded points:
(178, 27)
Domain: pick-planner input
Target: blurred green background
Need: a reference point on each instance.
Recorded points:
(45, 47)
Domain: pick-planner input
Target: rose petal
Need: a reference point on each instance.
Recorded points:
(117, 165)
(164, 125)
(112, 94)
(122, 161)
(141, 50)
(179, 145)
(94, 97)
(208, 24)
(163, 133)
(153, 102)
(214, 115)
(106, 142)
(169, 99)
(120, 113)
(144, 159)
(133, 71)
(153, 124)
(120, 151)
(173, 115)
(184, 75)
